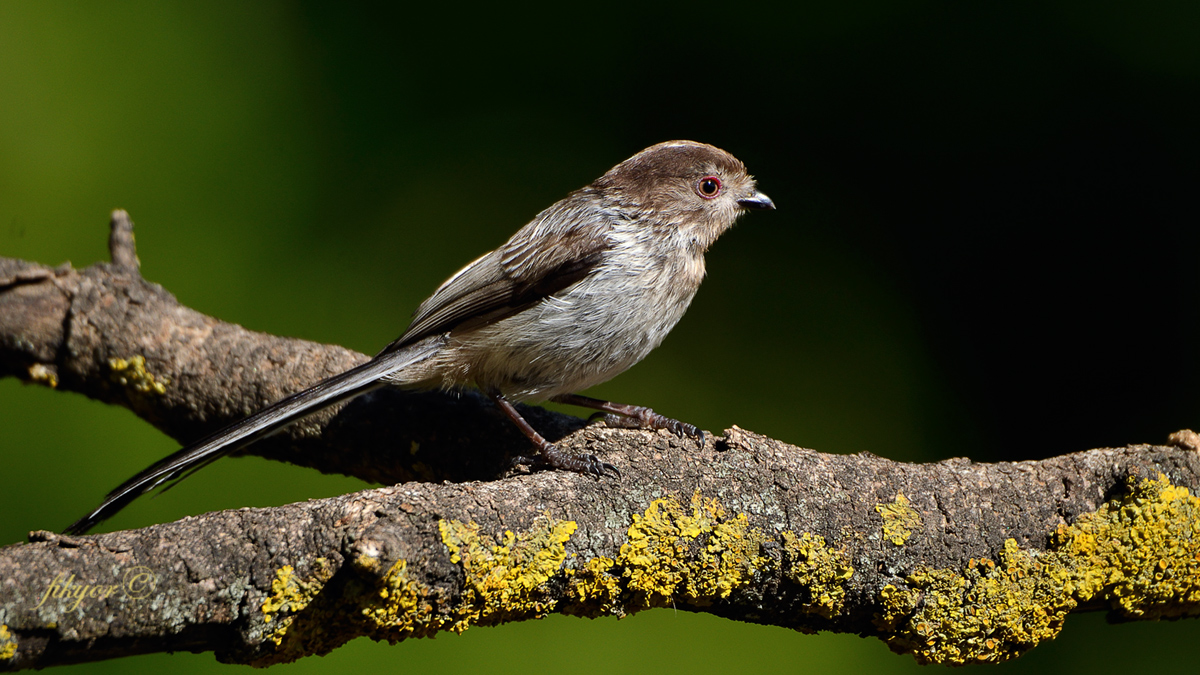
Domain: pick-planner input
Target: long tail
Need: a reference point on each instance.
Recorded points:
(180, 465)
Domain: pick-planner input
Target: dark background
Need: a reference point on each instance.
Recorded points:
(984, 246)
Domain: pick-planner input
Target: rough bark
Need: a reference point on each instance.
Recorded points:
(954, 562)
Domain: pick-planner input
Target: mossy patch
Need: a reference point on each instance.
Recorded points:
(823, 572)
(1139, 554)
(8, 643)
(505, 581)
(899, 519)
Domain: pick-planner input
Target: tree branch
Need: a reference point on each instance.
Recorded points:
(954, 562)
(109, 334)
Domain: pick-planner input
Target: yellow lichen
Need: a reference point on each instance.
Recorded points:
(131, 373)
(595, 586)
(988, 612)
(368, 564)
(307, 621)
(674, 554)
(697, 555)
(8, 643)
(290, 595)
(400, 608)
(1139, 554)
(898, 604)
(39, 373)
(506, 581)
(823, 572)
(899, 519)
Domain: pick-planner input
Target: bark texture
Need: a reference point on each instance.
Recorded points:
(955, 562)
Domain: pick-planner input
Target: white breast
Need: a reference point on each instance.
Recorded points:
(588, 333)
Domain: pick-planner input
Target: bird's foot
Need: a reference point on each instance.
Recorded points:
(645, 418)
(551, 457)
(625, 416)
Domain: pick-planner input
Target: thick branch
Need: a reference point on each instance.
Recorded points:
(954, 561)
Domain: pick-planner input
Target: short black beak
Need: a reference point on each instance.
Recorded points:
(757, 201)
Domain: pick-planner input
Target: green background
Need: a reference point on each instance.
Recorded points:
(985, 244)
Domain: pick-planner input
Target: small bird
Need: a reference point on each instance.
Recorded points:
(578, 295)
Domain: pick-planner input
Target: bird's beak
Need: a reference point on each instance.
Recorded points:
(757, 201)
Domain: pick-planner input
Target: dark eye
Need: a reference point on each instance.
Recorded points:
(709, 187)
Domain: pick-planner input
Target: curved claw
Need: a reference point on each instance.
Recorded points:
(601, 468)
(531, 462)
(684, 429)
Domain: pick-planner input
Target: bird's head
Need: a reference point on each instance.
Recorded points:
(693, 187)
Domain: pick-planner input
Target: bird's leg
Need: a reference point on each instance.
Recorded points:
(548, 454)
(631, 416)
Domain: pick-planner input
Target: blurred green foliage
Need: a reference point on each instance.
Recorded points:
(982, 244)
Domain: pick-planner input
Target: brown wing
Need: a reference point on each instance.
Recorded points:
(549, 254)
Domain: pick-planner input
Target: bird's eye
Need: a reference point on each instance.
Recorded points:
(709, 187)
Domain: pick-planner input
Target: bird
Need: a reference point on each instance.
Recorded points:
(583, 291)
